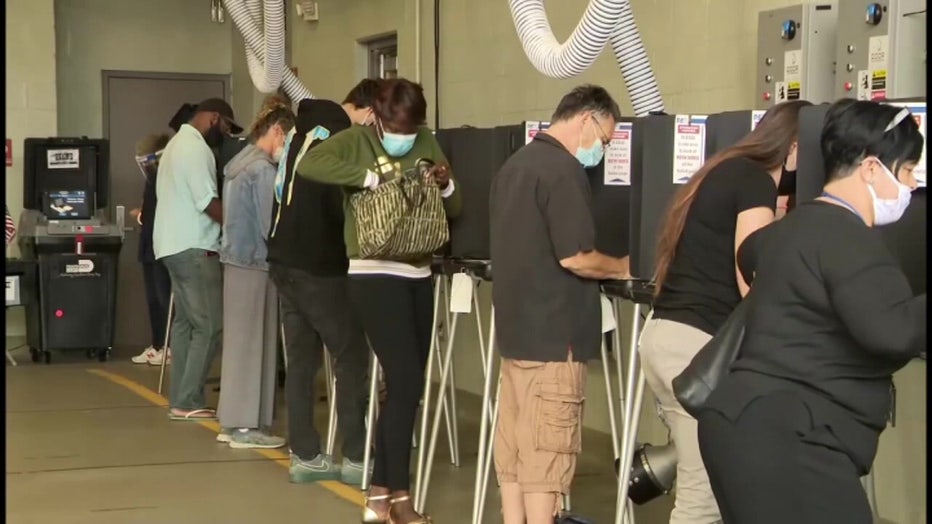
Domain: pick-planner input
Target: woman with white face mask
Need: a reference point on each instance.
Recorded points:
(788, 433)
(250, 302)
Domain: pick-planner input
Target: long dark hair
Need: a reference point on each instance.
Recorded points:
(768, 145)
(855, 129)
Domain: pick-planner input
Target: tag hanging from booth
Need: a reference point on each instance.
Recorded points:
(608, 314)
(461, 291)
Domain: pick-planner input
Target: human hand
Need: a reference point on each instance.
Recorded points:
(441, 175)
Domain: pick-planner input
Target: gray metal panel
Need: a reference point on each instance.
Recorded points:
(811, 74)
(904, 24)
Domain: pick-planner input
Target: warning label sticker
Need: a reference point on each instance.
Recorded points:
(864, 85)
(879, 84)
(793, 90)
(877, 66)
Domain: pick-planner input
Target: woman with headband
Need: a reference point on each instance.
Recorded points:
(788, 433)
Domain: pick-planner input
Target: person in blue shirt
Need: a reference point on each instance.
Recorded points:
(186, 238)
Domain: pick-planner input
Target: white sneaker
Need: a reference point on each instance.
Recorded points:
(146, 355)
(156, 359)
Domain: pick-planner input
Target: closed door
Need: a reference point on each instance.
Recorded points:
(136, 105)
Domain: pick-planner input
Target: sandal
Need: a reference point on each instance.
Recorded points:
(369, 516)
(423, 519)
(193, 415)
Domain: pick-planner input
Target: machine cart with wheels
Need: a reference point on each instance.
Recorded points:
(64, 232)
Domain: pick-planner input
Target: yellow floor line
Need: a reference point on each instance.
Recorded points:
(338, 488)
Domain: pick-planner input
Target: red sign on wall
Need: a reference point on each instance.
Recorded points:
(9, 152)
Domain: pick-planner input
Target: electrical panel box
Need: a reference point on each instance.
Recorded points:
(796, 54)
(881, 50)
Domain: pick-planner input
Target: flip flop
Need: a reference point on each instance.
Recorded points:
(194, 416)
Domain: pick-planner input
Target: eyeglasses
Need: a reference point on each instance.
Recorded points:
(606, 141)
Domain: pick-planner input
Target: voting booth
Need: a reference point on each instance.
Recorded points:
(65, 234)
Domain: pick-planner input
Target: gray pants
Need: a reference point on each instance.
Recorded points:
(316, 311)
(250, 338)
(666, 349)
(197, 326)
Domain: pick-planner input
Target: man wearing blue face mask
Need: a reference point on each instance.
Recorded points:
(546, 297)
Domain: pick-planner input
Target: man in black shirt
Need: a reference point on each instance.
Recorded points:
(546, 297)
(307, 261)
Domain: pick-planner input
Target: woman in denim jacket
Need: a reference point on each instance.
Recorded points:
(250, 302)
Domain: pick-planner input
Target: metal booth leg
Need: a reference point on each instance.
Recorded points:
(332, 403)
(631, 402)
(425, 398)
(435, 426)
(370, 419)
(485, 436)
(165, 347)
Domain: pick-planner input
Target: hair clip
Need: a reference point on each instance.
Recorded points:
(897, 119)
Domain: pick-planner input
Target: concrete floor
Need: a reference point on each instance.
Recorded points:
(90, 442)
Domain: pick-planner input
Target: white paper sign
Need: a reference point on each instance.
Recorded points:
(618, 156)
(792, 66)
(63, 158)
(688, 147)
(920, 113)
(864, 85)
(461, 292)
(531, 128)
(608, 314)
(780, 88)
(877, 66)
(756, 116)
(12, 285)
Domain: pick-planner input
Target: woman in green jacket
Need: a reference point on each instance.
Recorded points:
(393, 300)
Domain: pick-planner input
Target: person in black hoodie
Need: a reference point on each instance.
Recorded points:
(307, 262)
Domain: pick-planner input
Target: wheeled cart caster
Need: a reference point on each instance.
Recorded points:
(103, 355)
(35, 355)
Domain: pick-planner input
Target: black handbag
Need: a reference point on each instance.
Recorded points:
(693, 386)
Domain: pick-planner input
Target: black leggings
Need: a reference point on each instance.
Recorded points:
(396, 314)
(773, 466)
(158, 295)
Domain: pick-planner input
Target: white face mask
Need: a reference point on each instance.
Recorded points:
(889, 211)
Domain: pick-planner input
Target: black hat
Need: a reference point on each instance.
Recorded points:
(182, 116)
(218, 105)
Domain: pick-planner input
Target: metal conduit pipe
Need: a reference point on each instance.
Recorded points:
(603, 20)
(253, 36)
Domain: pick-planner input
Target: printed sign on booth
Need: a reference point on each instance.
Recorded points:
(618, 157)
(688, 147)
(920, 113)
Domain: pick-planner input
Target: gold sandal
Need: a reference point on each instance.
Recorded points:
(424, 519)
(369, 516)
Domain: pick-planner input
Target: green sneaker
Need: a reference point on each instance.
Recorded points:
(254, 439)
(316, 470)
(351, 472)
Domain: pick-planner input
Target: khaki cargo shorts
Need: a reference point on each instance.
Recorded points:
(539, 429)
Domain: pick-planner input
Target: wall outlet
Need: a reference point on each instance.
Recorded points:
(307, 9)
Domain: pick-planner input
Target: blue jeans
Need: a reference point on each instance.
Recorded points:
(197, 284)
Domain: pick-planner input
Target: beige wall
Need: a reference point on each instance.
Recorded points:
(129, 35)
(30, 99)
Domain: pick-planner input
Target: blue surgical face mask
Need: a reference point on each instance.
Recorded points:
(591, 156)
(397, 145)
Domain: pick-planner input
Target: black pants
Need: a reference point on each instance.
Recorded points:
(158, 295)
(316, 311)
(771, 466)
(396, 314)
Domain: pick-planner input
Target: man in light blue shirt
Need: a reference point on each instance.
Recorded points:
(186, 239)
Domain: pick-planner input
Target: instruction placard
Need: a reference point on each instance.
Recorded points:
(688, 146)
(877, 66)
(531, 128)
(918, 109)
(792, 74)
(864, 85)
(756, 116)
(780, 88)
(63, 158)
(618, 157)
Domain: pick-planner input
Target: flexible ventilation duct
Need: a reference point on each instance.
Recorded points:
(265, 50)
(603, 20)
